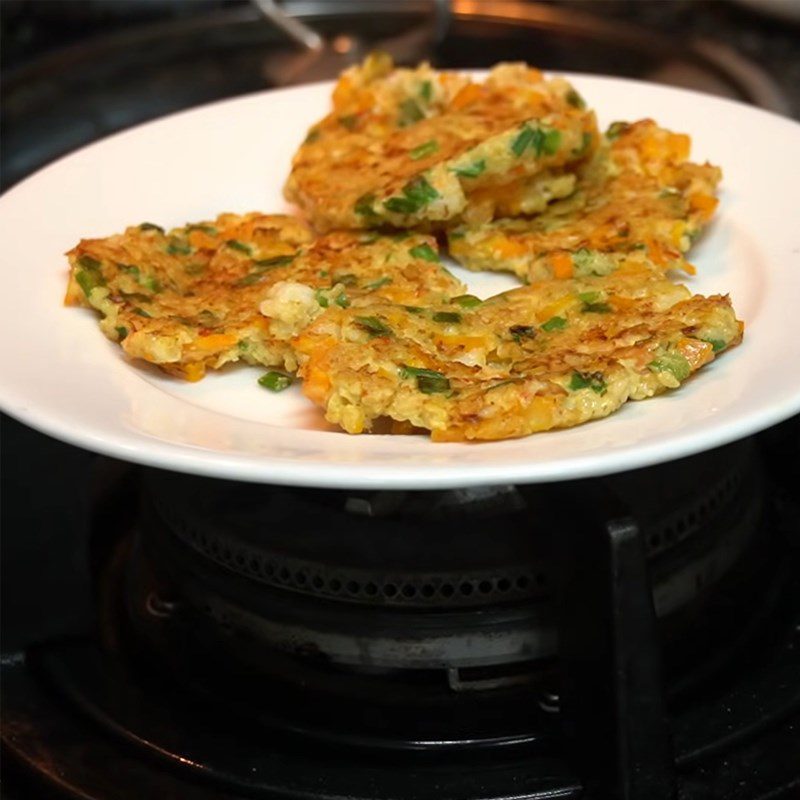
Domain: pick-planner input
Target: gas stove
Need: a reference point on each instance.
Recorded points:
(634, 636)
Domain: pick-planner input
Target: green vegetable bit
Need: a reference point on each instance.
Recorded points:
(467, 301)
(446, 316)
(347, 279)
(240, 247)
(425, 252)
(472, 170)
(122, 331)
(364, 206)
(426, 91)
(276, 261)
(349, 121)
(385, 281)
(322, 300)
(207, 229)
(374, 326)
(410, 112)
(428, 381)
(141, 312)
(177, 247)
(671, 362)
(575, 100)
(313, 136)
(588, 380)
(87, 262)
(554, 324)
(717, 345)
(424, 150)
(541, 141)
(90, 277)
(586, 140)
(596, 308)
(417, 193)
(149, 226)
(275, 381)
(342, 300)
(615, 129)
(249, 280)
(520, 332)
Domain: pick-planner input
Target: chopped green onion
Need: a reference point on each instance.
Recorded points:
(208, 229)
(428, 381)
(178, 247)
(312, 136)
(596, 308)
(322, 300)
(149, 226)
(150, 282)
(410, 112)
(467, 300)
(364, 206)
(323, 273)
(385, 281)
(717, 345)
(590, 380)
(243, 345)
(425, 252)
(551, 142)
(349, 121)
(589, 297)
(447, 316)
(347, 279)
(122, 331)
(240, 247)
(456, 235)
(249, 280)
(276, 261)
(275, 381)
(575, 100)
(424, 150)
(520, 332)
(523, 139)
(426, 91)
(417, 193)
(87, 262)
(615, 129)
(554, 324)
(586, 140)
(413, 309)
(342, 300)
(194, 269)
(141, 312)
(374, 326)
(471, 170)
(673, 363)
(88, 280)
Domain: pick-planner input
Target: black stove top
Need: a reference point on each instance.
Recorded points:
(166, 636)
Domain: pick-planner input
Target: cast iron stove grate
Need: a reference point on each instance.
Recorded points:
(239, 651)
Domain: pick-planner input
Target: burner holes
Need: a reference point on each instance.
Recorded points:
(240, 559)
(522, 582)
(669, 535)
(427, 590)
(353, 587)
(334, 585)
(447, 590)
(371, 589)
(317, 582)
(466, 589)
(485, 587)
(300, 578)
(389, 590)
(284, 575)
(255, 565)
(409, 591)
(269, 569)
(504, 584)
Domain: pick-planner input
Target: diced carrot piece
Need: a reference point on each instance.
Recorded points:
(704, 203)
(562, 264)
(216, 341)
(469, 94)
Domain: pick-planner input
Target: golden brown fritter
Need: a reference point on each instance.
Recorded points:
(639, 200)
(406, 147)
(550, 355)
(189, 299)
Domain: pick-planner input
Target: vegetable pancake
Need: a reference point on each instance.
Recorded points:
(406, 147)
(638, 200)
(188, 299)
(550, 355)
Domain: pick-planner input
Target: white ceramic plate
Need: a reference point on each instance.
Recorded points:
(59, 374)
